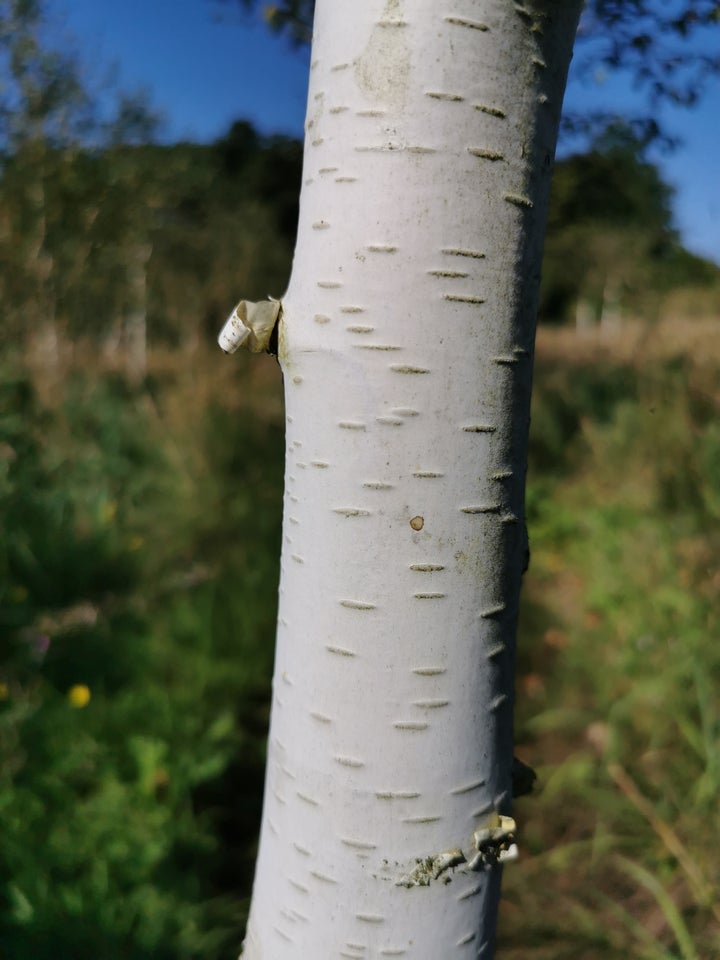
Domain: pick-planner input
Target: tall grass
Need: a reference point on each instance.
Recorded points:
(138, 580)
(619, 692)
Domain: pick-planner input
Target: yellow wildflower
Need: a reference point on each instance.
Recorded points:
(79, 695)
(108, 512)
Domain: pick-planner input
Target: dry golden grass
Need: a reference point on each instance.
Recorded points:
(635, 343)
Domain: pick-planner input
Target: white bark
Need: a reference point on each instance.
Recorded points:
(406, 343)
(585, 315)
(610, 310)
(136, 319)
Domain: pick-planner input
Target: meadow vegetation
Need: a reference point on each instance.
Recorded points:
(618, 699)
(139, 572)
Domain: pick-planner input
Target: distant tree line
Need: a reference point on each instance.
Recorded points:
(109, 236)
(612, 249)
(129, 243)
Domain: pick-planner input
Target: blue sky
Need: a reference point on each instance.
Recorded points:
(204, 64)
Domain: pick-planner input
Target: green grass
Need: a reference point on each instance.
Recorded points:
(140, 564)
(620, 668)
(144, 573)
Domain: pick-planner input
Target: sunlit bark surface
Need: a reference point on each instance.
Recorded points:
(406, 344)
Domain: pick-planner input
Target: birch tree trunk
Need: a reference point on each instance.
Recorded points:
(136, 318)
(406, 342)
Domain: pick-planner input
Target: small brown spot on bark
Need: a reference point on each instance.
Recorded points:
(417, 523)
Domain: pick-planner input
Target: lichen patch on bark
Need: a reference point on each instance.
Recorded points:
(432, 868)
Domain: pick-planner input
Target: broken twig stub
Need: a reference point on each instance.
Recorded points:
(252, 326)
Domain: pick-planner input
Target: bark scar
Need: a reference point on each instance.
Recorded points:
(492, 844)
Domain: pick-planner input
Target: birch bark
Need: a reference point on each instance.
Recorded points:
(406, 342)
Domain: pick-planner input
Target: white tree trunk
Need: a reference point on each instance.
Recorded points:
(406, 343)
(136, 319)
(610, 310)
(585, 315)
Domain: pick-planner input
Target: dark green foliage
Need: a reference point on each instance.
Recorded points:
(611, 247)
(128, 813)
(108, 237)
(209, 224)
(128, 825)
(559, 411)
(136, 623)
(618, 670)
(266, 169)
(612, 182)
